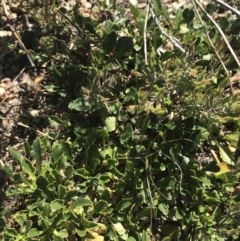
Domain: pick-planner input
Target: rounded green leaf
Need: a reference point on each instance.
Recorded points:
(56, 205)
(111, 123)
(126, 134)
(109, 42)
(163, 208)
(81, 202)
(100, 206)
(34, 233)
(124, 46)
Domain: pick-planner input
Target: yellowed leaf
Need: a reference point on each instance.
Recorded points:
(226, 155)
(224, 167)
(93, 236)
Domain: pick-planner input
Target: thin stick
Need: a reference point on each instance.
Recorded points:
(219, 30)
(173, 40)
(23, 46)
(18, 75)
(210, 41)
(145, 35)
(215, 156)
(16, 35)
(5, 9)
(38, 132)
(228, 6)
(70, 21)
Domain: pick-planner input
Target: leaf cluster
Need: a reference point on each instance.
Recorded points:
(134, 161)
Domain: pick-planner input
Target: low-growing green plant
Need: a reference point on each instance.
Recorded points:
(134, 161)
(54, 207)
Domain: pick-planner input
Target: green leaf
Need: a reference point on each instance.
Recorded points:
(21, 217)
(145, 236)
(194, 217)
(81, 202)
(157, 40)
(80, 105)
(142, 123)
(226, 155)
(111, 123)
(176, 214)
(56, 205)
(60, 233)
(188, 15)
(82, 172)
(126, 134)
(89, 224)
(56, 152)
(25, 164)
(171, 232)
(109, 42)
(51, 88)
(62, 191)
(124, 46)
(212, 197)
(135, 12)
(233, 138)
(184, 29)
(164, 208)
(27, 149)
(34, 233)
(42, 184)
(56, 121)
(119, 229)
(57, 72)
(145, 213)
(68, 171)
(37, 153)
(123, 204)
(71, 195)
(131, 94)
(211, 7)
(100, 207)
(16, 154)
(167, 183)
(103, 133)
(131, 239)
(81, 233)
(10, 232)
(93, 152)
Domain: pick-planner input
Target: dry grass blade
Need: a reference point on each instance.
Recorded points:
(228, 6)
(210, 41)
(173, 40)
(219, 30)
(145, 35)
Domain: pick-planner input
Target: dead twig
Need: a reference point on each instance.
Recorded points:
(37, 131)
(70, 21)
(23, 46)
(18, 75)
(145, 35)
(210, 41)
(228, 7)
(219, 30)
(16, 35)
(173, 40)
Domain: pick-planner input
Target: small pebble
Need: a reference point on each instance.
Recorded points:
(2, 91)
(33, 113)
